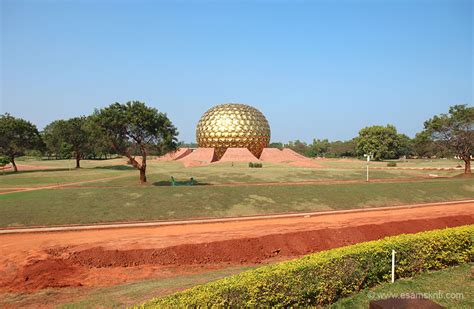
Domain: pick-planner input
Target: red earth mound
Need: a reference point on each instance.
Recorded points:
(274, 155)
(238, 155)
(200, 156)
(50, 273)
(176, 155)
(287, 156)
(68, 267)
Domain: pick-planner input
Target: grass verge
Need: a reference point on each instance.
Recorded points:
(452, 288)
(96, 205)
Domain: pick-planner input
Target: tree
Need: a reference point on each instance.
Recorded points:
(52, 137)
(318, 148)
(298, 146)
(76, 134)
(342, 149)
(454, 132)
(382, 142)
(423, 146)
(276, 145)
(16, 136)
(62, 136)
(99, 145)
(405, 146)
(135, 128)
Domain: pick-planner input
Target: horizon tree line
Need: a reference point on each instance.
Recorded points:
(136, 131)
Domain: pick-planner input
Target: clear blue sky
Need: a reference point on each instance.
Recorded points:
(319, 69)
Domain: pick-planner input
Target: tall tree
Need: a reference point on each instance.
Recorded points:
(16, 136)
(135, 128)
(382, 142)
(423, 146)
(68, 134)
(455, 132)
(405, 145)
(52, 137)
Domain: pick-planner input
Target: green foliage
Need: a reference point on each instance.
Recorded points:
(454, 131)
(324, 148)
(298, 146)
(78, 137)
(276, 145)
(339, 149)
(423, 146)
(382, 142)
(391, 164)
(16, 136)
(134, 124)
(4, 161)
(135, 128)
(319, 148)
(405, 145)
(323, 278)
(255, 165)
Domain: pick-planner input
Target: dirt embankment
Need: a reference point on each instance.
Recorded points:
(63, 266)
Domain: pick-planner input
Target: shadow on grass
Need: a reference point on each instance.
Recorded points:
(165, 183)
(116, 167)
(11, 172)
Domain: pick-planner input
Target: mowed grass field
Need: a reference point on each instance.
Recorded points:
(108, 191)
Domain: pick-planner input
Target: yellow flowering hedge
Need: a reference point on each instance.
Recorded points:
(324, 277)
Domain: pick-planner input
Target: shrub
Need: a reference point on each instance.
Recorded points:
(324, 277)
(392, 164)
(4, 161)
(255, 165)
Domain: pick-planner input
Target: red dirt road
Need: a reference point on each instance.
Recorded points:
(33, 261)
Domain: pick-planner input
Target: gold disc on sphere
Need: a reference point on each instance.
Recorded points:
(233, 126)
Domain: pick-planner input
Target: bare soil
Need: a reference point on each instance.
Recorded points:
(94, 258)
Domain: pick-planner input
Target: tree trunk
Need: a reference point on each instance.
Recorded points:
(15, 168)
(143, 166)
(467, 165)
(78, 159)
(143, 175)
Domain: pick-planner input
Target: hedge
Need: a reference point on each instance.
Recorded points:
(324, 277)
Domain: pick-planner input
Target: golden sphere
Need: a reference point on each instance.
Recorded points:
(233, 126)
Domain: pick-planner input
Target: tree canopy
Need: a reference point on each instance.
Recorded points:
(16, 136)
(65, 137)
(379, 141)
(133, 128)
(455, 132)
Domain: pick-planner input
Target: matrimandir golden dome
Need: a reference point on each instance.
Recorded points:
(233, 126)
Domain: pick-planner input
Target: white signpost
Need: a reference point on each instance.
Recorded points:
(393, 266)
(368, 160)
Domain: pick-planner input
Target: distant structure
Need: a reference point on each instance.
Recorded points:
(233, 126)
(235, 133)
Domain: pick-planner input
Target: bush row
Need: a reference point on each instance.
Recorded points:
(324, 277)
(255, 165)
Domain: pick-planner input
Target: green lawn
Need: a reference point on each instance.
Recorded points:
(119, 197)
(60, 172)
(440, 285)
(420, 163)
(92, 205)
